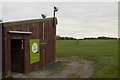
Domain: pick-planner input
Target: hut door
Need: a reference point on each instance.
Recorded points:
(17, 55)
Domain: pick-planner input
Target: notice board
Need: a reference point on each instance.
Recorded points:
(34, 50)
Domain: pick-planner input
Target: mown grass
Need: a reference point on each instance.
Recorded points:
(103, 52)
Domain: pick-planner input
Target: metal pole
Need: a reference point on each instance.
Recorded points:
(43, 29)
(43, 48)
(54, 14)
(43, 37)
(54, 23)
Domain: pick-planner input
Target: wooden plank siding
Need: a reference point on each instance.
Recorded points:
(0, 50)
(36, 27)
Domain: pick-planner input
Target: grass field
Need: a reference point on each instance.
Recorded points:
(103, 52)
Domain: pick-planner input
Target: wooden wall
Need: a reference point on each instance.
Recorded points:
(0, 50)
(36, 27)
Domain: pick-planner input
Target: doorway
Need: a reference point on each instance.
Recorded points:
(17, 55)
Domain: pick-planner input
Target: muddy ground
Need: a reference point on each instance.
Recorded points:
(70, 67)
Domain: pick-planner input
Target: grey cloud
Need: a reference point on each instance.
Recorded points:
(75, 19)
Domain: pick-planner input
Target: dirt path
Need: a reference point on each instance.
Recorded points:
(74, 68)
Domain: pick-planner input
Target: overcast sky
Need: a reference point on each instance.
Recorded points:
(75, 19)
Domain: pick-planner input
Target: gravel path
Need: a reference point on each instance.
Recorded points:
(74, 68)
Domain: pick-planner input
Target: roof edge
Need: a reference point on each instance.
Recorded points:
(26, 21)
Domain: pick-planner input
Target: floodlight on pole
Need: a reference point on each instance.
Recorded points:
(43, 16)
(55, 10)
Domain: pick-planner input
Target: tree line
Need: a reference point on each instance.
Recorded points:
(85, 38)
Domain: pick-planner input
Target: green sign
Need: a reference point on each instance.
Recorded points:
(34, 50)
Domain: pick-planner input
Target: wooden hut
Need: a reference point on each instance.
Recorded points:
(28, 45)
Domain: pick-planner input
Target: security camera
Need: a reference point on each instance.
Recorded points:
(55, 8)
(43, 15)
